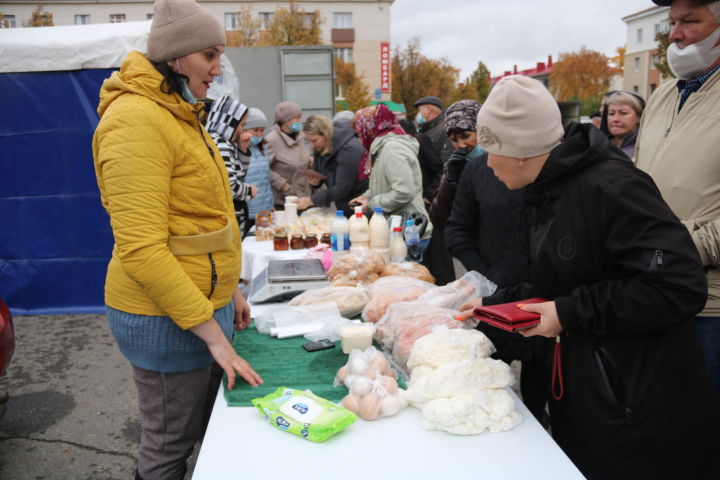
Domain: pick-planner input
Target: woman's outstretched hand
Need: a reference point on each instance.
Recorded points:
(224, 353)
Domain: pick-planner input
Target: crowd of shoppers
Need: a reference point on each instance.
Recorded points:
(624, 365)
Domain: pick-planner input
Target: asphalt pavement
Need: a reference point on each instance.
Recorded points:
(72, 412)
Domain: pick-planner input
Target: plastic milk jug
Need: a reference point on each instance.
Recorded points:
(398, 249)
(339, 229)
(359, 232)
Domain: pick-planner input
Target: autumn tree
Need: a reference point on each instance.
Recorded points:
(663, 40)
(583, 77)
(480, 79)
(618, 60)
(39, 18)
(464, 91)
(247, 29)
(353, 86)
(415, 76)
(294, 26)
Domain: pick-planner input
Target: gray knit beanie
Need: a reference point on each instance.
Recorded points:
(255, 119)
(519, 119)
(180, 27)
(286, 111)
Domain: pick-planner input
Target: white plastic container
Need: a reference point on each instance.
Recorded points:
(290, 212)
(379, 231)
(339, 232)
(398, 248)
(356, 335)
(360, 231)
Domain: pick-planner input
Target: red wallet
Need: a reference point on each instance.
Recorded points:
(508, 316)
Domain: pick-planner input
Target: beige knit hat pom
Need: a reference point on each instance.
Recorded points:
(180, 27)
(519, 119)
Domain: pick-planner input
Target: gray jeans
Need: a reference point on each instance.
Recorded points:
(174, 411)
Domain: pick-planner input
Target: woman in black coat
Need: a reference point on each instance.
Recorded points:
(336, 164)
(631, 395)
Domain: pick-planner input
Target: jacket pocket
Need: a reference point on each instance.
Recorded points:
(612, 382)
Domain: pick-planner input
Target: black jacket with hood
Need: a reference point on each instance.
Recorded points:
(626, 280)
(340, 168)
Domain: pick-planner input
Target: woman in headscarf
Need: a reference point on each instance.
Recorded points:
(392, 164)
(460, 129)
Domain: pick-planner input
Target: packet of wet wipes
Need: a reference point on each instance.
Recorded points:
(304, 414)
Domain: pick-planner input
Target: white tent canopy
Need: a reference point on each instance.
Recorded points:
(79, 47)
(75, 47)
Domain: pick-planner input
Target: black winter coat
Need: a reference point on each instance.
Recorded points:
(340, 168)
(487, 232)
(626, 280)
(435, 149)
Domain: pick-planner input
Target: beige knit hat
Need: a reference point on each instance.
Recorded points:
(286, 111)
(519, 119)
(180, 27)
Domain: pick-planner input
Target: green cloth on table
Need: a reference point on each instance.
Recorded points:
(284, 363)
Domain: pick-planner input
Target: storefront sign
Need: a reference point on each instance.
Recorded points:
(385, 67)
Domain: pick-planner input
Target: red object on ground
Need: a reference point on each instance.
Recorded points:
(7, 336)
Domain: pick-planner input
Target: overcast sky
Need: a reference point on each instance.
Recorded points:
(502, 33)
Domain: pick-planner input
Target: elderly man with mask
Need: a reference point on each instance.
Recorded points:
(435, 147)
(677, 146)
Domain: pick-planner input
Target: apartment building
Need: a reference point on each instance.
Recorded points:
(640, 72)
(358, 30)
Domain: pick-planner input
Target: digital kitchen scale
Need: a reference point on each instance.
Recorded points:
(285, 279)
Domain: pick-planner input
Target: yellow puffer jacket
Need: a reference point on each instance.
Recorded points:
(165, 187)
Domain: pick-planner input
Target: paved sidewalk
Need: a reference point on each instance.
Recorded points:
(72, 412)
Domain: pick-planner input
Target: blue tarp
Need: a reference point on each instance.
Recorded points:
(55, 237)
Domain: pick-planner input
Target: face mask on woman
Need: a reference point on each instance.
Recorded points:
(476, 152)
(296, 127)
(256, 140)
(693, 60)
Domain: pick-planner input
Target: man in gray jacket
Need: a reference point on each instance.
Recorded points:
(677, 146)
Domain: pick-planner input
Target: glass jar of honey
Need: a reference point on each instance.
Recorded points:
(297, 242)
(326, 239)
(311, 240)
(280, 241)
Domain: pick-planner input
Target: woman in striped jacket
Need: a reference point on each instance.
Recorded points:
(225, 124)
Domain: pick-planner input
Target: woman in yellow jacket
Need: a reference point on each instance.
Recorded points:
(171, 287)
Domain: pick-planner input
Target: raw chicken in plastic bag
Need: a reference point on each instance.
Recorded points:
(455, 294)
(389, 290)
(373, 390)
(406, 322)
(349, 300)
